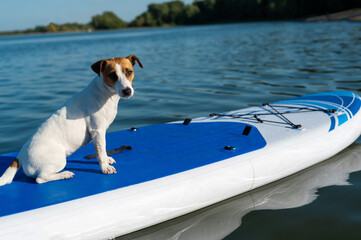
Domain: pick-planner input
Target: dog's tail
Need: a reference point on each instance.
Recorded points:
(9, 174)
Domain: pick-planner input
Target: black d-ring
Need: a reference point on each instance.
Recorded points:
(229, 148)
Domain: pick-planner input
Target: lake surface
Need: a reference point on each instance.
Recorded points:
(194, 71)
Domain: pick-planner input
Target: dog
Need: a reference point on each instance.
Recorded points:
(83, 118)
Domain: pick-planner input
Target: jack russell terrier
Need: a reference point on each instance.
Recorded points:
(85, 117)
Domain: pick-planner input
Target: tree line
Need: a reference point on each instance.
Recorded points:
(213, 11)
(206, 11)
(105, 21)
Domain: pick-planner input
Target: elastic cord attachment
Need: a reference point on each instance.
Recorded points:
(273, 111)
(257, 118)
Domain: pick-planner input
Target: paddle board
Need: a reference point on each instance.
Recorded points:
(171, 169)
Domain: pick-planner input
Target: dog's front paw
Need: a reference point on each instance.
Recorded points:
(107, 169)
(111, 160)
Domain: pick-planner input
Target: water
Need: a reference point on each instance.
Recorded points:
(328, 217)
(191, 72)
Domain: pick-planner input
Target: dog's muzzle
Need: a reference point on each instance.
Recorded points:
(127, 92)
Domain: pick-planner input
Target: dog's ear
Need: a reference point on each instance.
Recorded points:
(98, 66)
(133, 58)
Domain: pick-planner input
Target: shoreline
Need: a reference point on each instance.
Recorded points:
(20, 33)
(351, 15)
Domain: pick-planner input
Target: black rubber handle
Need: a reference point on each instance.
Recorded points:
(111, 152)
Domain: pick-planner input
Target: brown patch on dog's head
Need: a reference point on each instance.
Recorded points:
(108, 68)
(133, 58)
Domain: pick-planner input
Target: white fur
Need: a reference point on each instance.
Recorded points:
(123, 82)
(85, 117)
(8, 176)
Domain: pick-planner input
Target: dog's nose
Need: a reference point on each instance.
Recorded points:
(127, 91)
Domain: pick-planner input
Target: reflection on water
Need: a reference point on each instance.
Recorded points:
(220, 220)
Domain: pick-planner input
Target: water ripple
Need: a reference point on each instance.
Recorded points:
(188, 71)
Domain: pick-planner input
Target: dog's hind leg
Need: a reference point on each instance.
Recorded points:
(52, 170)
(54, 177)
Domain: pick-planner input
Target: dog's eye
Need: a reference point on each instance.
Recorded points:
(113, 76)
(129, 72)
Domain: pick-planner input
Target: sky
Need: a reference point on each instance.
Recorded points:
(24, 14)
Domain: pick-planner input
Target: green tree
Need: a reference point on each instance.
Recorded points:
(189, 15)
(108, 20)
(52, 28)
(40, 29)
(159, 13)
(176, 9)
(207, 12)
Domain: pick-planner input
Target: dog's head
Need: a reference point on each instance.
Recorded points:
(118, 74)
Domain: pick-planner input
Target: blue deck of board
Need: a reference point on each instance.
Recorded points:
(157, 151)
